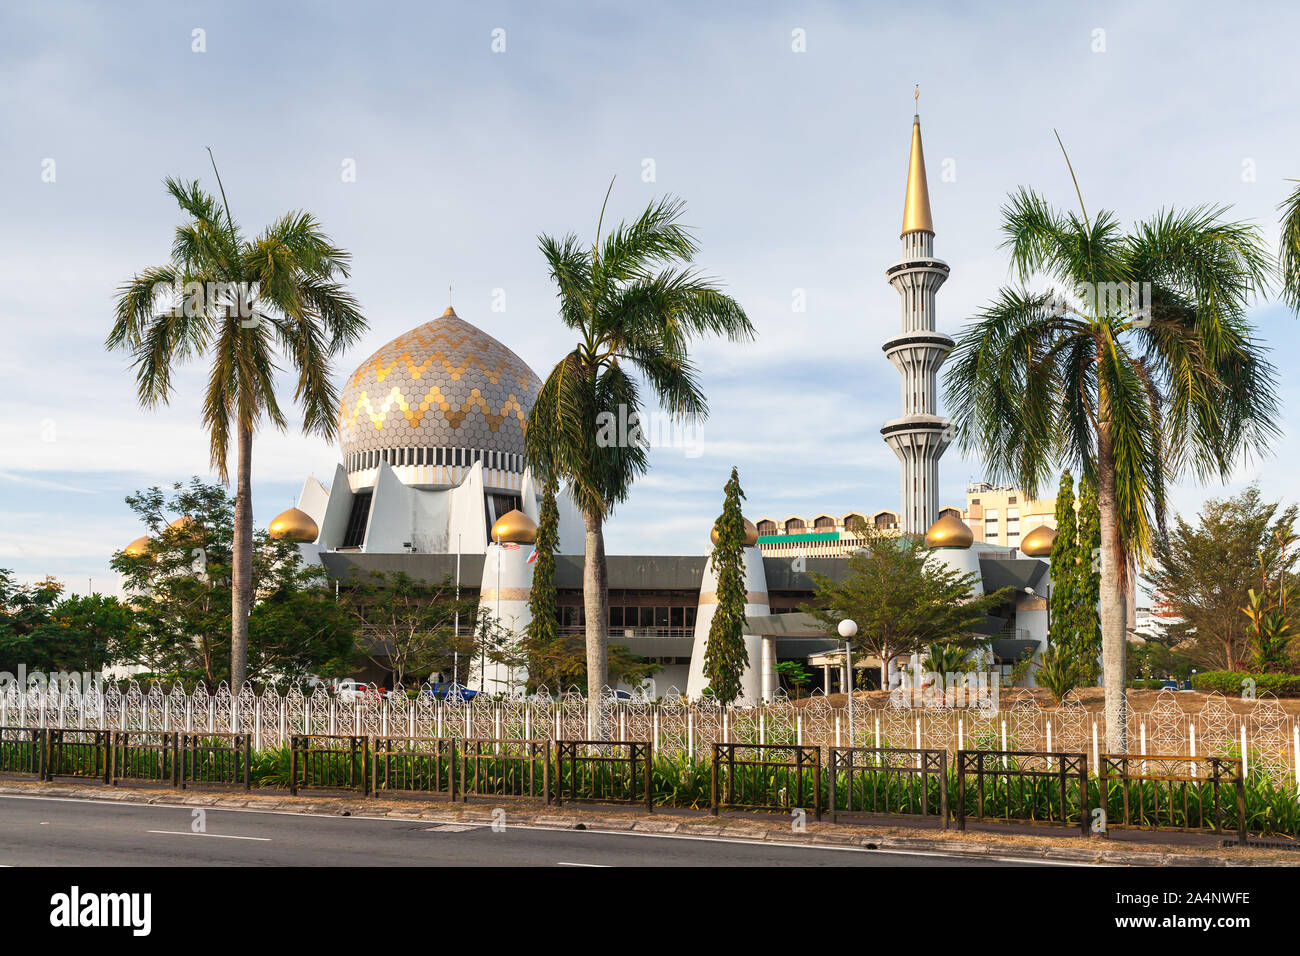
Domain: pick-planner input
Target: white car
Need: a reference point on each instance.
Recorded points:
(350, 691)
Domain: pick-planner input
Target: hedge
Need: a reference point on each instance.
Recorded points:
(1230, 683)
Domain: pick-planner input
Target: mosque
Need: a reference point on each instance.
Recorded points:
(433, 482)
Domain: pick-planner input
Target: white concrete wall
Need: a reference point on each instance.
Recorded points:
(333, 522)
(573, 530)
(467, 523)
(432, 513)
(391, 514)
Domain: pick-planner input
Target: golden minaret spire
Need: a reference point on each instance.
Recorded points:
(916, 207)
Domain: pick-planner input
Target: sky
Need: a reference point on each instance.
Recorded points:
(437, 141)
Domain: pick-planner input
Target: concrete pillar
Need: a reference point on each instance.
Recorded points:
(826, 678)
(770, 684)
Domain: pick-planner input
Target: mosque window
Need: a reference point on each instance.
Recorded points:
(355, 534)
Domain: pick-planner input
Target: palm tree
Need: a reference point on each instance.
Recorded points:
(244, 304)
(636, 306)
(1289, 257)
(1129, 390)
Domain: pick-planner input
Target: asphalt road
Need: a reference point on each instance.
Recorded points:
(43, 831)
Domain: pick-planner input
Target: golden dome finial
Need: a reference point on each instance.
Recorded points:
(139, 548)
(916, 207)
(751, 533)
(1038, 543)
(949, 532)
(515, 527)
(294, 525)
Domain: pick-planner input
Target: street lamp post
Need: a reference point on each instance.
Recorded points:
(848, 630)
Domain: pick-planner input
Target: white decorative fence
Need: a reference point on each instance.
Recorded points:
(1262, 730)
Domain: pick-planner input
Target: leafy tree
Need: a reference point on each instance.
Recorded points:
(43, 631)
(181, 592)
(250, 305)
(1202, 575)
(725, 657)
(795, 674)
(543, 627)
(636, 306)
(408, 626)
(563, 663)
(903, 599)
(1135, 365)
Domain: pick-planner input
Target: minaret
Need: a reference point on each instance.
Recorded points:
(919, 436)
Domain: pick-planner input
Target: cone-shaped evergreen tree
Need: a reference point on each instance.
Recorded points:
(543, 629)
(1065, 560)
(725, 658)
(1086, 624)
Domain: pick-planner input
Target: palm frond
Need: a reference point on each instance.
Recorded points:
(1289, 254)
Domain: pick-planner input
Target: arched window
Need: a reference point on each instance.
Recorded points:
(794, 525)
(766, 527)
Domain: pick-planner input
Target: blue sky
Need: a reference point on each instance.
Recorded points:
(792, 163)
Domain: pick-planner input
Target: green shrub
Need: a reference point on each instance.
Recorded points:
(1230, 683)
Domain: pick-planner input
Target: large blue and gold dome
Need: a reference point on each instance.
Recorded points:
(435, 401)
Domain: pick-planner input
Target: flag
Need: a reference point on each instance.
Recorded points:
(532, 557)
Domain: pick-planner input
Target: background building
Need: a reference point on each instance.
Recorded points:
(1002, 514)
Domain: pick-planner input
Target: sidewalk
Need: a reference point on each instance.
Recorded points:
(1121, 848)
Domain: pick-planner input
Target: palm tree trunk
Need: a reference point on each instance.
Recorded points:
(595, 598)
(1111, 606)
(241, 600)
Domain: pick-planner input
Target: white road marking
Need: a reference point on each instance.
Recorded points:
(219, 836)
(603, 866)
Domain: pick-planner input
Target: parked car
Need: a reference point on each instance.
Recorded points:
(351, 691)
(440, 690)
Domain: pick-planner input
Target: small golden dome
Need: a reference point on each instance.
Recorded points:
(949, 532)
(516, 527)
(294, 525)
(139, 548)
(1038, 543)
(751, 534)
(185, 527)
